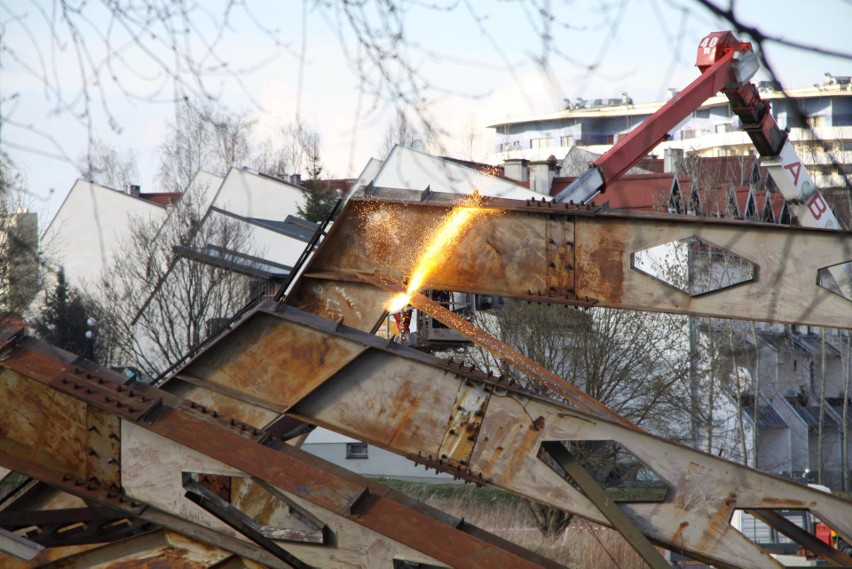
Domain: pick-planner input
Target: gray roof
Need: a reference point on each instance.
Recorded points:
(292, 226)
(810, 415)
(767, 417)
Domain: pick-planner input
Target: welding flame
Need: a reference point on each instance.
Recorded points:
(445, 236)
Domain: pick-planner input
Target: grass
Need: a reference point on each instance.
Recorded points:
(582, 545)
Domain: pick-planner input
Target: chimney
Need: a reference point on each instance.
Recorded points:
(542, 173)
(134, 190)
(672, 159)
(295, 179)
(516, 169)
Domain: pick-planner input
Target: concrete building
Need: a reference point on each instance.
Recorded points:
(368, 460)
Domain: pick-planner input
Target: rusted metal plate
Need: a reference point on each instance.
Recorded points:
(42, 425)
(103, 447)
(275, 513)
(463, 427)
(271, 362)
(500, 251)
(355, 303)
(158, 550)
(151, 473)
(412, 415)
(560, 256)
(224, 401)
(101, 390)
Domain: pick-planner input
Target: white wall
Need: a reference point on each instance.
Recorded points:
(86, 233)
(251, 195)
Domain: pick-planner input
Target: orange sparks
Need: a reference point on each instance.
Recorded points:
(448, 233)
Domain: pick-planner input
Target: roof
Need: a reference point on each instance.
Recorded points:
(768, 417)
(810, 415)
(648, 192)
(814, 345)
(162, 198)
(838, 408)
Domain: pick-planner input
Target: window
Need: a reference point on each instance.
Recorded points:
(356, 450)
(541, 142)
(566, 141)
(816, 121)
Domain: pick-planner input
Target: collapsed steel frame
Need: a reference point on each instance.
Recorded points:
(204, 457)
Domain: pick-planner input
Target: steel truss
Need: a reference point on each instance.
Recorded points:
(215, 434)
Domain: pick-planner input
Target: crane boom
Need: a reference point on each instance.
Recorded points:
(726, 65)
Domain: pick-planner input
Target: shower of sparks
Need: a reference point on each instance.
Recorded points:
(448, 233)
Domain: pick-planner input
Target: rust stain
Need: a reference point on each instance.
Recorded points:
(410, 409)
(677, 538)
(718, 525)
(275, 360)
(522, 452)
(168, 558)
(601, 251)
(41, 424)
(103, 444)
(787, 503)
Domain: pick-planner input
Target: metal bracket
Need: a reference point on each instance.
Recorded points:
(215, 505)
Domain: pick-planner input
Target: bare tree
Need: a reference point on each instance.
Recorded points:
(632, 362)
(104, 165)
(172, 284)
(203, 137)
(403, 131)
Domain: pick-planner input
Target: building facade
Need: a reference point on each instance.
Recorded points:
(819, 119)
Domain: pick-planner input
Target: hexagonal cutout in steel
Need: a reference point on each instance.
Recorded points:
(837, 279)
(622, 475)
(693, 266)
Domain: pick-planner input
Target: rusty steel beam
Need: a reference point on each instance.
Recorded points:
(520, 362)
(558, 253)
(400, 399)
(161, 434)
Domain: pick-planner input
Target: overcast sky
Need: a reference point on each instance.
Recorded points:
(474, 63)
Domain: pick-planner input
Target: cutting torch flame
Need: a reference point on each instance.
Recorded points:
(449, 232)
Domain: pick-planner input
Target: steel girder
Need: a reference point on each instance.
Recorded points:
(475, 426)
(132, 452)
(580, 255)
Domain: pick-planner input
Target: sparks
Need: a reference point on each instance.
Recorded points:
(449, 231)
